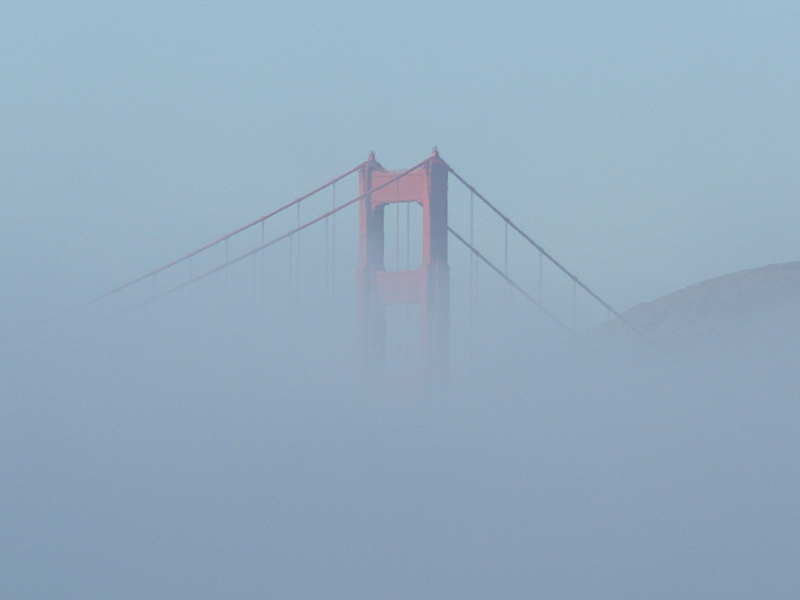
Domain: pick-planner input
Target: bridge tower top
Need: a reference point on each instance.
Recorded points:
(427, 286)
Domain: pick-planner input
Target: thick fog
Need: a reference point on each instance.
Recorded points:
(220, 456)
(222, 439)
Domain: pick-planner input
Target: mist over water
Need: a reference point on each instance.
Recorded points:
(225, 454)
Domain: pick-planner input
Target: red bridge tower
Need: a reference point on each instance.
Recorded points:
(427, 286)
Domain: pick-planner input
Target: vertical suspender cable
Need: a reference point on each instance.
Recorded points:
(325, 291)
(290, 295)
(397, 237)
(574, 305)
(399, 344)
(540, 277)
(190, 276)
(255, 281)
(400, 332)
(472, 240)
(408, 235)
(155, 287)
(505, 263)
(333, 248)
(226, 260)
(263, 258)
(505, 270)
(472, 275)
(477, 291)
(408, 306)
(298, 253)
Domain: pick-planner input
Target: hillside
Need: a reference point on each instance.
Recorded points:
(757, 304)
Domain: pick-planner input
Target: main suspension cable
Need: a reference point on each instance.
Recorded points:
(223, 238)
(544, 252)
(508, 280)
(183, 258)
(279, 238)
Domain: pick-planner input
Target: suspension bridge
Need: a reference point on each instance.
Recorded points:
(413, 305)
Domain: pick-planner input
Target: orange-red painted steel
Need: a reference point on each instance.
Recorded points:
(427, 286)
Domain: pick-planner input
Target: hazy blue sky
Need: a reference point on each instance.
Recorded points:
(193, 451)
(648, 145)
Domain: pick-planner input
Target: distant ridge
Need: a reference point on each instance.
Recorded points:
(755, 303)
